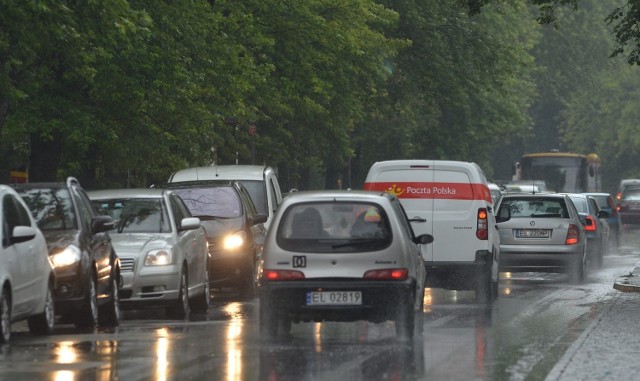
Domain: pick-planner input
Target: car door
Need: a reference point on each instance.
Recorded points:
(21, 258)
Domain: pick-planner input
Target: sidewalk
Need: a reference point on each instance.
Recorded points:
(609, 348)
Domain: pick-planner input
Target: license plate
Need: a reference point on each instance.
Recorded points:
(533, 233)
(334, 298)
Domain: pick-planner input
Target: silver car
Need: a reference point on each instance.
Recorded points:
(162, 249)
(544, 234)
(341, 256)
(27, 281)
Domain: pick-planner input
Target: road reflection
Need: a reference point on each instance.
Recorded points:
(234, 342)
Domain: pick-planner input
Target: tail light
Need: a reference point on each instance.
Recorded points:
(482, 231)
(282, 275)
(573, 235)
(387, 274)
(619, 196)
(590, 224)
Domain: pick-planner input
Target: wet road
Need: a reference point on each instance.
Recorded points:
(521, 336)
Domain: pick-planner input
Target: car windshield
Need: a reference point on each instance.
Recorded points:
(135, 215)
(51, 208)
(334, 227)
(536, 207)
(211, 202)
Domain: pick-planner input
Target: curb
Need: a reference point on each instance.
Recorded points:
(629, 283)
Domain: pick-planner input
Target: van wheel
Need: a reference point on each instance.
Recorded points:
(486, 289)
(43, 323)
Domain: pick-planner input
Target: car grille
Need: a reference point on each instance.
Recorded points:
(127, 264)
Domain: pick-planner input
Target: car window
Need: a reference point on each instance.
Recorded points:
(212, 202)
(50, 207)
(258, 194)
(631, 196)
(581, 204)
(13, 214)
(334, 227)
(536, 207)
(135, 215)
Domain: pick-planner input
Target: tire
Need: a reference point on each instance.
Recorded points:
(88, 317)
(200, 303)
(5, 317)
(485, 288)
(405, 322)
(180, 308)
(248, 287)
(109, 314)
(44, 322)
(576, 272)
(268, 321)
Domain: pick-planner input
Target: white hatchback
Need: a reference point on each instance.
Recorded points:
(26, 274)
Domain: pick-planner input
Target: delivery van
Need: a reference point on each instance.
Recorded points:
(451, 201)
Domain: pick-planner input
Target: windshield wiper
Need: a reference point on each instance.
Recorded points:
(209, 218)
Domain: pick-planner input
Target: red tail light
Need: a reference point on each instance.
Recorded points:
(590, 224)
(573, 235)
(387, 274)
(282, 275)
(482, 231)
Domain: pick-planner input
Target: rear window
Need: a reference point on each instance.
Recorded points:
(334, 227)
(631, 196)
(536, 207)
(581, 204)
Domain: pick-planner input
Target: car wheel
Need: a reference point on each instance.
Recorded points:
(201, 302)
(248, 286)
(44, 322)
(485, 288)
(268, 321)
(109, 314)
(88, 317)
(180, 308)
(5, 318)
(405, 322)
(576, 272)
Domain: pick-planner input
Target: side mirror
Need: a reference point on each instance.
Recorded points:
(424, 239)
(259, 219)
(101, 224)
(504, 214)
(189, 223)
(22, 234)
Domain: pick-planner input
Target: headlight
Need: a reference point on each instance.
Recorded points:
(233, 241)
(157, 258)
(67, 257)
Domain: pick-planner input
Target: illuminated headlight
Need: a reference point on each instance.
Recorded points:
(233, 241)
(157, 258)
(67, 257)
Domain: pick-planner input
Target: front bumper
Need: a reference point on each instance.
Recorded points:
(150, 285)
(230, 269)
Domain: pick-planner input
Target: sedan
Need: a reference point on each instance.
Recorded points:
(541, 232)
(629, 206)
(162, 249)
(607, 203)
(27, 280)
(596, 226)
(341, 256)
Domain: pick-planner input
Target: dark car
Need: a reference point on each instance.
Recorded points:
(595, 225)
(235, 231)
(607, 203)
(629, 206)
(86, 266)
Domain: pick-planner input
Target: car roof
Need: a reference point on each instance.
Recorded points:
(220, 172)
(336, 195)
(127, 192)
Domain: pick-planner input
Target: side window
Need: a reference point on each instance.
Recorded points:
(83, 211)
(13, 214)
(404, 219)
(247, 203)
(178, 209)
(274, 197)
(87, 202)
(594, 205)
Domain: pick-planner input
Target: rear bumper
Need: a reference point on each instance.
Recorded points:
(630, 218)
(553, 258)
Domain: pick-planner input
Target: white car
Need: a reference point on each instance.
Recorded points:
(341, 256)
(26, 274)
(162, 250)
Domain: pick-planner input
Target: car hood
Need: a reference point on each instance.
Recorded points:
(57, 240)
(132, 244)
(222, 226)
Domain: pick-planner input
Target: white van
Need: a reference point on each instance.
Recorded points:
(451, 201)
(260, 181)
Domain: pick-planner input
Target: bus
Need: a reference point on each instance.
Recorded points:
(560, 171)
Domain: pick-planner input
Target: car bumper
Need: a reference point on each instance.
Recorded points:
(150, 285)
(551, 258)
(630, 218)
(380, 299)
(229, 269)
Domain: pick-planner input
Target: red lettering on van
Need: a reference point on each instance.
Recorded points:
(432, 190)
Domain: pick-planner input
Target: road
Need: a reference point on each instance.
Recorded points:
(520, 337)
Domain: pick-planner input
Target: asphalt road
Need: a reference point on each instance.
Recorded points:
(520, 337)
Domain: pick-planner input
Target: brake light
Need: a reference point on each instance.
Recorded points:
(619, 196)
(482, 231)
(573, 235)
(387, 274)
(282, 275)
(590, 224)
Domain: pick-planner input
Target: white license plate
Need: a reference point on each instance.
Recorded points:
(533, 233)
(334, 298)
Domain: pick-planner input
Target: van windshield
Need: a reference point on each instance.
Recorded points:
(258, 194)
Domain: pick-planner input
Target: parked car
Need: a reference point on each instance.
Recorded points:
(451, 201)
(26, 274)
(235, 231)
(541, 233)
(162, 249)
(341, 256)
(595, 225)
(260, 181)
(86, 266)
(629, 206)
(607, 203)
